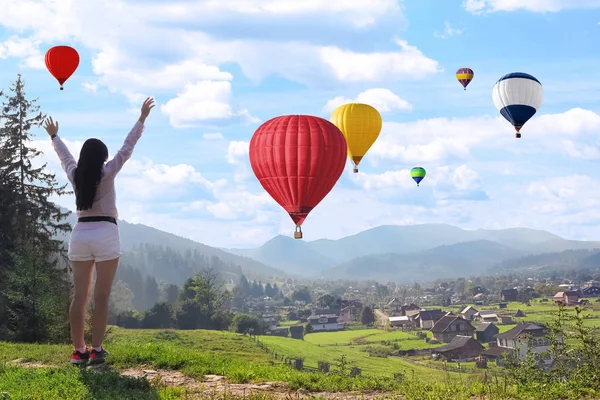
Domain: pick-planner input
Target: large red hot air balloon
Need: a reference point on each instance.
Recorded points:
(62, 61)
(298, 159)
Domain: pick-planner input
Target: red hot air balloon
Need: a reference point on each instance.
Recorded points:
(297, 160)
(62, 61)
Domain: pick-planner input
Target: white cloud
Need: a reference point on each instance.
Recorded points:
(205, 101)
(489, 6)
(213, 136)
(448, 32)
(91, 87)
(382, 99)
(238, 151)
(573, 132)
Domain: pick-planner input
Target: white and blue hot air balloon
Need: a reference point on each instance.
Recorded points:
(518, 96)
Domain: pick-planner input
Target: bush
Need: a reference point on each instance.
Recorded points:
(243, 323)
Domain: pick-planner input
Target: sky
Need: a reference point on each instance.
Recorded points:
(220, 68)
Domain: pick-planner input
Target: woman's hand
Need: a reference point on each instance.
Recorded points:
(146, 107)
(51, 127)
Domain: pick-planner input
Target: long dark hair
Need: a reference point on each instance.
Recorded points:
(89, 172)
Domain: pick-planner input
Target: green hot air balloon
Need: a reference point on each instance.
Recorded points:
(418, 173)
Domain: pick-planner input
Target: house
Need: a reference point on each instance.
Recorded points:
(468, 313)
(504, 319)
(326, 322)
(401, 322)
(502, 305)
(270, 320)
(569, 298)
(480, 299)
(427, 318)
(591, 291)
(349, 314)
(297, 331)
(409, 307)
(516, 341)
(460, 348)
(486, 332)
(519, 314)
(394, 307)
(486, 317)
(509, 294)
(447, 327)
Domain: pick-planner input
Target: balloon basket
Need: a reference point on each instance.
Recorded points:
(355, 170)
(298, 233)
(61, 88)
(517, 135)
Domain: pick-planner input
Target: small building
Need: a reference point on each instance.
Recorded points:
(486, 332)
(427, 318)
(468, 313)
(480, 299)
(568, 298)
(327, 322)
(509, 294)
(487, 317)
(348, 314)
(460, 348)
(504, 319)
(591, 291)
(449, 326)
(297, 332)
(502, 305)
(519, 314)
(394, 307)
(401, 322)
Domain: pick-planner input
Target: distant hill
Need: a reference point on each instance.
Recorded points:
(390, 241)
(135, 235)
(447, 261)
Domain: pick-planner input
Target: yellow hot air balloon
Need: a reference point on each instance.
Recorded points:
(361, 125)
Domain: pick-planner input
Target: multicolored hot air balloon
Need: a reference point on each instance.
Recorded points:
(62, 61)
(518, 96)
(361, 125)
(418, 173)
(465, 76)
(297, 160)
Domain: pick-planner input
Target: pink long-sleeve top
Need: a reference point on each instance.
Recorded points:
(105, 202)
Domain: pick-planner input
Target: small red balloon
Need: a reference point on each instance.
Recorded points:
(62, 61)
(298, 159)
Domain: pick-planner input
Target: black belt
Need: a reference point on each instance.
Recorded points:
(97, 219)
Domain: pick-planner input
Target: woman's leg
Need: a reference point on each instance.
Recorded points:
(105, 274)
(82, 280)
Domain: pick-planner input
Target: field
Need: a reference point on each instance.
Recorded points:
(43, 373)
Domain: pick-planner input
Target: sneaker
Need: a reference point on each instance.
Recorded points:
(80, 358)
(97, 357)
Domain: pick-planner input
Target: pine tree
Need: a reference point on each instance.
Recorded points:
(29, 220)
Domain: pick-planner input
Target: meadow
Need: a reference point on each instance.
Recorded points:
(241, 360)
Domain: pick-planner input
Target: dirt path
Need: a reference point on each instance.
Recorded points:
(216, 385)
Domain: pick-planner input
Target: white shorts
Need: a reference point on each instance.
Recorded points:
(98, 241)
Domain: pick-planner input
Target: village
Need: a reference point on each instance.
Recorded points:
(490, 328)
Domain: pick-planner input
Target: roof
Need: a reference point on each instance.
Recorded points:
(495, 351)
(394, 319)
(506, 291)
(467, 309)
(431, 315)
(572, 293)
(393, 301)
(560, 294)
(484, 326)
(323, 316)
(457, 342)
(446, 321)
(488, 315)
(521, 329)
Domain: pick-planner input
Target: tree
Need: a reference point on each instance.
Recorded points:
(170, 293)
(302, 294)
(367, 317)
(326, 300)
(151, 292)
(242, 323)
(29, 224)
(158, 317)
(121, 298)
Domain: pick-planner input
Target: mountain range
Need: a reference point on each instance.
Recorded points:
(389, 252)
(414, 252)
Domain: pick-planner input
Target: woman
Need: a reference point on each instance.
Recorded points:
(95, 238)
